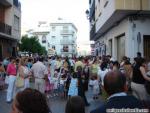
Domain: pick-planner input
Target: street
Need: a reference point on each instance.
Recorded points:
(56, 104)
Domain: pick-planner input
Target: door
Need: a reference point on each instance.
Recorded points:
(120, 47)
(14, 52)
(146, 46)
(1, 55)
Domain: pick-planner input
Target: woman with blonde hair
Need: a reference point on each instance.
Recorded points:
(23, 72)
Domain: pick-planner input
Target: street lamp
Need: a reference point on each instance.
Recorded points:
(87, 14)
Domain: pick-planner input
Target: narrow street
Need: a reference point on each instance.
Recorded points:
(56, 104)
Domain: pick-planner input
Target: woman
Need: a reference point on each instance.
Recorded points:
(138, 79)
(102, 72)
(86, 73)
(75, 105)
(66, 64)
(2, 70)
(23, 71)
(11, 71)
(128, 72)
(81, 90)
(116, 66)
(94, 67)
(2, 76)
(30, 101)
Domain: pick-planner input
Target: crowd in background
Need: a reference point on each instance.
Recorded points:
(68, 77)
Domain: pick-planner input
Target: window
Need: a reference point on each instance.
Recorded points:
(89, 1)
(53, 37)
(105, 3)
(48, 44)
(43, 39)
(65, 37)
(53, 28)
(53, 47)
(65, 28)
(16, 22)
(65, 48)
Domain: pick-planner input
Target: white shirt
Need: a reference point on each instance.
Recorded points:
(102, 74)
(118, 94)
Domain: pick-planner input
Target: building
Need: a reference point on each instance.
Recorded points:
(120, 27)
(63, 38)
(58, 38)
(43, 33)
(10, 27)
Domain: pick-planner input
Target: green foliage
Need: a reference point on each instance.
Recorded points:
(31, 44)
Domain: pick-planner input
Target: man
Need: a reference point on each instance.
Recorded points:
(40, 73)
(115, 86)
(139, 55)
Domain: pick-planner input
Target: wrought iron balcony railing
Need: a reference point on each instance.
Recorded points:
(6, 29)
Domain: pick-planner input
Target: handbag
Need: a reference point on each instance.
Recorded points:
(7, 79)
(19, 81)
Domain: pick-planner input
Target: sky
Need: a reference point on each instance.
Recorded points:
(73, 11)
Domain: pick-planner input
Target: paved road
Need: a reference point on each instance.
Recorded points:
(56, 104)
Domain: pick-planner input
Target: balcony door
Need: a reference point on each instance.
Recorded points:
(1, 54)
(120, 47)
(146, 46)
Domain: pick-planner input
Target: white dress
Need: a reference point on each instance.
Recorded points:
(73, 89)
(95, 87)
(102, 74)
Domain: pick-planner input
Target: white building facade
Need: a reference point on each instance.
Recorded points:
(63, 38)
(10, 27)
(121, 28)
(59, 38)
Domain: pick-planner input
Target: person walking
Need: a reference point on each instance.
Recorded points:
(11, 71)
(24, 73)
(73, 89)
(81, 91)
(40, 73)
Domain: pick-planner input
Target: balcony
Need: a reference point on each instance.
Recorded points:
(118, 10)
(66, 42)
(17, 4)
(92, 11)
(6, 29)
(6, 3)
(92, 32)
(66, 32)
(68, 51)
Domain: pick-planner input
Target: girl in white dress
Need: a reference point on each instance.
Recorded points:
(95, 87)
(73, 88)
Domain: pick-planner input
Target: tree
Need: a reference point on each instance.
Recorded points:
(31, 44)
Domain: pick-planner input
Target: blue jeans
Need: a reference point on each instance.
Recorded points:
(11, 88)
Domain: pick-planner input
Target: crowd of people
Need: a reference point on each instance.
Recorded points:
(121, 84)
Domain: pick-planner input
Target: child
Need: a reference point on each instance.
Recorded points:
(56, 81)
(95, 87)
(48, 86)
(67, 84)
(73, 89)
(61, 86)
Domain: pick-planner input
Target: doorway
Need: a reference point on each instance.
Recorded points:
(120, 47)
(146, 46)
(1, 54)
